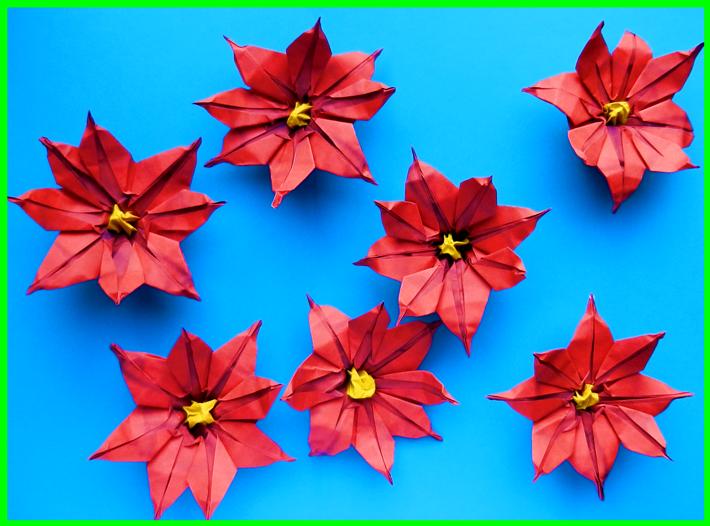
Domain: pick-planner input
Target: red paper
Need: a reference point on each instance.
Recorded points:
(391, 405)
(204, 457)
(264, 127)
(481, 232)
(623, 142)
(623, 401)
(95, 178)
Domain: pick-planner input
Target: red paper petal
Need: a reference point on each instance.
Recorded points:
(336, 149)
(234, 361)
(594, 67)
(403, 418)
(106, 159)
(247, 445)
(211, 473)
(332, 426)
(365, 334)
(567, 93)
(420, 387)
(189, 362)
(628, 61)
(628, 356)
(641, 393)
(553, 439)
(535, 400)
(590, 344)
(343, 70)
(251, 399)
(74, 257)
(140, 436)
(168, 472)
(463, 299)
(662, 78)
(307, 57)
(240, 107)
(637, 430)
(357, 101)
(263, 70)
(55, 209)
(373, 440)
(501, 269)
(433, 193)
(476, 201)
(290, 166)
(595, 448)
(397, 259)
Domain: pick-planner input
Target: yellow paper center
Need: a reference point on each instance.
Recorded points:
(448, 246)
(361, 385)
(199, 413)
(616, 113)
(120, 221)
(300, 115)
(586, 399)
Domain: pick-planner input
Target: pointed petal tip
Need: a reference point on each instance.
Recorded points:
(311, 303)
(414, 155)
(278, 197)
(90, 119)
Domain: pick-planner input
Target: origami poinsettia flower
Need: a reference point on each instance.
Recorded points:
(587, 399)
(299, 113)
(363, 386)
(449, 247)
(118, 220)
(195, 423)
(620, 110)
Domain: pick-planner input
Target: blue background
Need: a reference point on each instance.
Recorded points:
(139, 70)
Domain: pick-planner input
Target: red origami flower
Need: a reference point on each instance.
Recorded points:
(362, 384)
(588, 398)
(449, 247)
(621, 116)
(118, 220)
(195, 423)
(299, 113)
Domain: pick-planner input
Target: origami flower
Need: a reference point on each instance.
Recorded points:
(588, 398)
(299, 113)
(362, 384)
(195, 423)
(621, 116)
(449, 247)
(118, 220)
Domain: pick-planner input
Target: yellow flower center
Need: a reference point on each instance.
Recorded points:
(586, 399)
(361, 385)
(199, 413)
(300, 115)
(448, 246)
(616, 113)
(120, 221)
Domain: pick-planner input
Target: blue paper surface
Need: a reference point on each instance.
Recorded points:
(458, 75)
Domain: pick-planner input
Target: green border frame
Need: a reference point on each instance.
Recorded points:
(7, 5)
